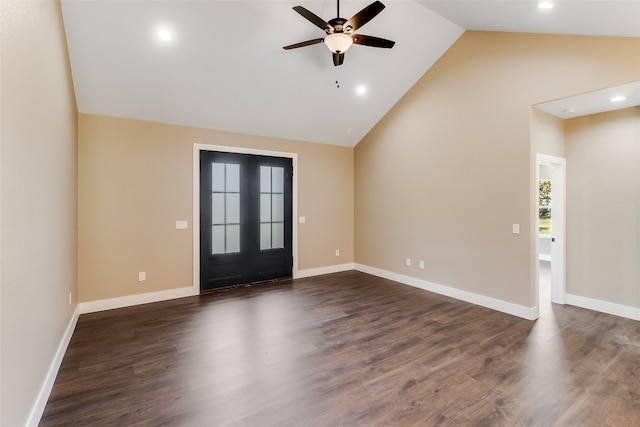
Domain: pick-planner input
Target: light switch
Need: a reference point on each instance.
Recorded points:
(302, 220)
(516, 228)
(181, 225)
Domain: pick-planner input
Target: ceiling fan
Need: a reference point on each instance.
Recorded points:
(340, 31)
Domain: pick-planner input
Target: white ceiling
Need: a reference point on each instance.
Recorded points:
(583, 17)
(225, 67)
(597, 101)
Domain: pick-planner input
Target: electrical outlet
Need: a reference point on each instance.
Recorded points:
(142, 276)
(422, 265)
(408, 262)
(337, 252)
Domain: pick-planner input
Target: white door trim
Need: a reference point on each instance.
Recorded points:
(558, 248)
(197, 148)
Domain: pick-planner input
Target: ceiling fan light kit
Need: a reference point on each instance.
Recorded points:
(340, 31)
(338, 42)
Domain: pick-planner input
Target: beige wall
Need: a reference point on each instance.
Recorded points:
(547, 134)
(38, 200)
(445, 174)
(603, 206)
(136, 180)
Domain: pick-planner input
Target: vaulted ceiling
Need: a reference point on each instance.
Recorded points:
(224, 67)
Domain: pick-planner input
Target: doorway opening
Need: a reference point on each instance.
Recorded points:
(221, 234)
(550, 230)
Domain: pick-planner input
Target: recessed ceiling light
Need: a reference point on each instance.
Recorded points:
(618, 98)
(361, 90)
(569, 110)
(164, 35)
(545, 5)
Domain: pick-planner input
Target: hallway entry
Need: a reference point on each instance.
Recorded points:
(550, 226)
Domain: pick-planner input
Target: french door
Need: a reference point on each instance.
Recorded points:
(245, 219)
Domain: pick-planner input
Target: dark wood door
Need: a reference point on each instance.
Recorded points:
(245, 219)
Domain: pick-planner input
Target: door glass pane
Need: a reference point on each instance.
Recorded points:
(277, 237)
(233, 239)
(271, 207)
(278, 180)
(265, 236)
(278, 207)
(217, 237)
(217, 177)
(265, 179)
(217, 208)
(233, 178)
(233, 208)
(265, 207)
(225, 208)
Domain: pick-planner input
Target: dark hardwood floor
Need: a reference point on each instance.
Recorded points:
(345, 349)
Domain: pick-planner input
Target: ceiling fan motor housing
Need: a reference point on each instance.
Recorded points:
(337, 26)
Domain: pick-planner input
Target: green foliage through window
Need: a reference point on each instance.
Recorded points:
(544, 206)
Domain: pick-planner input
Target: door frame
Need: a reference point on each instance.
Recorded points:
(559, 215)
(197, 148)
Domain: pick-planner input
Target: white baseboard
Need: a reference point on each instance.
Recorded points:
(130, 300)
(43, 396)
(323, 270)
(603, 306)
(529, 313)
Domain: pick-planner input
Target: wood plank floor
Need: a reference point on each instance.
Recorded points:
(346, 349)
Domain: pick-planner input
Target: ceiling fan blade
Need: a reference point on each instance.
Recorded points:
(338, 58)
(364, 16)
(313, 18)
(372, 41)
(303, 44)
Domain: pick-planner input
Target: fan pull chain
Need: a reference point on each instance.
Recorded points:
(337, 77)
